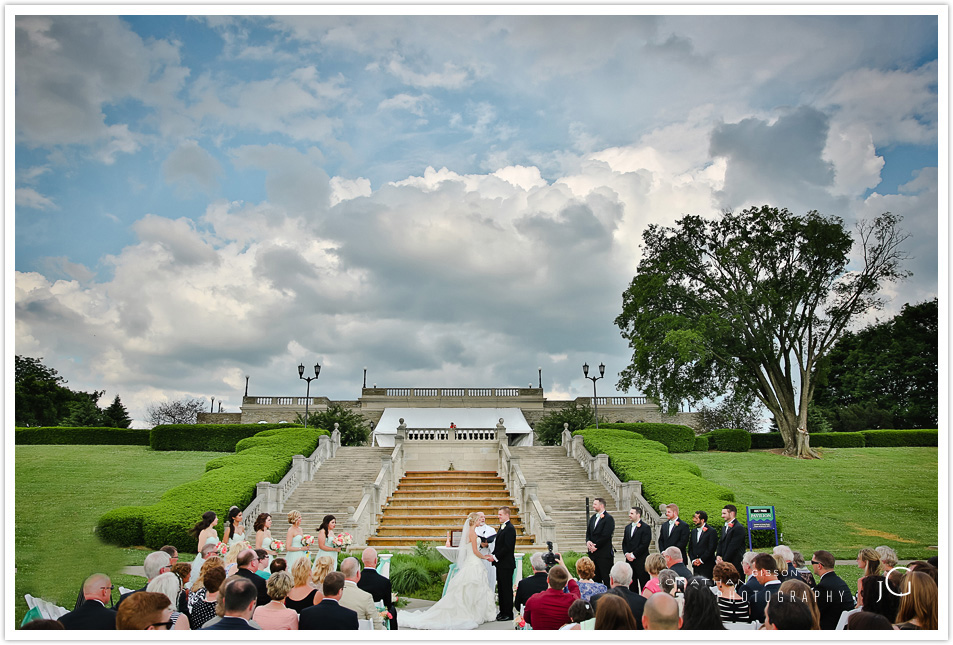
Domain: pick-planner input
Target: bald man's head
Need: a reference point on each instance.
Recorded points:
(369, 557)
(97, 587)
(661, 612)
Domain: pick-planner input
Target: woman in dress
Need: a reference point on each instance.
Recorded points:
(293, 546)
(199, 590)
(919, 606)
(275, 615)
(732, 606)
(324, 537)
(469, 601)
(586, 569)
(203, 609)
(701, 611)
(303, 594)
(234, 531)
(263, 533)
(169, 585)
(204, 531)
(654, 563)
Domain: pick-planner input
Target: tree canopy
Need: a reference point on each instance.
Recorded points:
(751, 301)
(353, 426)
(42, 398)
(549, 429)
(175, 411)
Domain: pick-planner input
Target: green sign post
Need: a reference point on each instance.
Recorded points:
(761, 518)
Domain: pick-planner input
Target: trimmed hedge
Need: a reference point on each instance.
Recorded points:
(701, 444)
(665, 480)
(81, 436)
(766, 440)
(211, 437)
(837, 440)
(901, 438)
(730, 439)
(678, 438)
(228, 480)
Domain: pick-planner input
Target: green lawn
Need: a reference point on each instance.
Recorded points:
(60, 493)
(849, 499)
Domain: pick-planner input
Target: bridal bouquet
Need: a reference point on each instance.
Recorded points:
(343, 540)
(277, 545)
(221, 549)
(307, 540)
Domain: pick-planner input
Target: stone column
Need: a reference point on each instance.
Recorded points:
(629, 492)
(267, 493)
(598, 463)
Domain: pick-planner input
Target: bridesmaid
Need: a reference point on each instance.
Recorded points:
(204, 531)
(234, 531)
(324, 537)
(263, 533)
(293, 544)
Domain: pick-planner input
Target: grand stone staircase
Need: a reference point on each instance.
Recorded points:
(427, 504)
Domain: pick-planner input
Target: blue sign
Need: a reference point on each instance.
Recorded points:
(761, 518)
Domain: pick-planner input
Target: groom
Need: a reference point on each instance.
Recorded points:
(505, 563)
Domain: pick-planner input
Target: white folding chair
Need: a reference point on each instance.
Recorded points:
(365, 623)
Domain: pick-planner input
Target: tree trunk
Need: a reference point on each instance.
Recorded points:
(796, 439)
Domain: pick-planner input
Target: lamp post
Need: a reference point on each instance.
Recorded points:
(602, 372)
(365, 378)
(540, 377)
(246, 384)
(317, 371)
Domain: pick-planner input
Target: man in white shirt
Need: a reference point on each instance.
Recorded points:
(486, 533)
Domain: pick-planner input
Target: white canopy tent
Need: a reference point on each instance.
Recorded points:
(513, 420)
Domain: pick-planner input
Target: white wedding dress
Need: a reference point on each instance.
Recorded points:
(468, 603)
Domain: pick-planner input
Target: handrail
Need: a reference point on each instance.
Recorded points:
(525, 493)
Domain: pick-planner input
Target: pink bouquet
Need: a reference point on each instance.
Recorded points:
(307, 540)
(342, 540)
(221, 549)
(277, 545)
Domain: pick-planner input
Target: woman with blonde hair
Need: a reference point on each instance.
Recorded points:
(169, 585)
(654, 564)
(275, 615)
(919, 605)
(231, 557)
(586, 569)
(303, 594)
(322, 567)
(868, 560)
(797, 588)
(295, 551)
(198, 587)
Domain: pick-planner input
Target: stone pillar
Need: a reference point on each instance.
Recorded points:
(628, 493)
(598, 463)
(267, 493)
(578, 446)
(375, 492)
(528, 491)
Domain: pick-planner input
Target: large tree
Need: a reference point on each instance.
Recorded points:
(174, 412)
(751, 301)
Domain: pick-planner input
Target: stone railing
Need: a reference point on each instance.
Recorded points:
(269, 498)
(525, 493)
(626, 494)
(448, 434)
(364, 520)
(432, 392)
(618, 400)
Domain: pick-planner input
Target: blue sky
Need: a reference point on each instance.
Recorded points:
(449, 200)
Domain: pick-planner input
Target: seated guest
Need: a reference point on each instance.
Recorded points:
(328, 614)
(668, 583)
(238, 600)
(581, 616)
(145, 610)
(661, 612)
(323, 565)
(184, 571)
(198, 585)
(654, 563)
(795, 587)
(275, 615)
(154, 564)
(93, 613)
(673, 561)
(613, 612)
(802, 571)
(888, 558)
(868, 560)
(356, 598)
(832, 594)
(881, 595)
(303, 594)
(532, 585)
(208, 551)
(701, 606)
(247, 562)
(549, 609)
(203, 609)
(586, 569)
(786, 567)
(919, 606)
(278, 564)
(170, 585)
(44, 623)
(749, 582)
(173, 554)
(620, 581)
(764, 569)
(925, 567)
(264, 564)
(732, 604)
(789, 613)
(377, 585)
(867, 620)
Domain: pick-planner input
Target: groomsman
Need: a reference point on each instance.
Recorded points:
(731, 547)
(599, 532)
(635, 547)
(702, 544)
(674, 532)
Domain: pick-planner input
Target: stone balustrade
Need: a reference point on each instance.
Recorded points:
(525, 493)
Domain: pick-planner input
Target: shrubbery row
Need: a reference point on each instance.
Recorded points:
(665, 480)
(730, 440)
(677, 438)
(862, 439)
(212, 437)
(81, 436)
(228, 480)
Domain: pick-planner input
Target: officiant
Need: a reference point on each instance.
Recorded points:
(487, 535)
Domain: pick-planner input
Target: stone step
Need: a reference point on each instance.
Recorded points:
(425, 529)
(523, 541)
(450, 521)
(466, 487)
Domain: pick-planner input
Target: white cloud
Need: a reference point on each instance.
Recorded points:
(850, 148)
(412, 104)
(450, 77)
(30, 198)
(191, 166)
(343, 189)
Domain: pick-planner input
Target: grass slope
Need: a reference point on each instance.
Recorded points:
(849, 499)
(60, 493)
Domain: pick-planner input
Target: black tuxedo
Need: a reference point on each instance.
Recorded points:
(636, 540)
(505, 563)
(833, 597)
(681, 570)
(760, 598)
(704, 550)
(228, 622)
(677, 537)
(328, 614)
(260, 585)
(380, 589)
(600, 534)
(90, 615)
(731, 545)
(636, 602)
(529, 586)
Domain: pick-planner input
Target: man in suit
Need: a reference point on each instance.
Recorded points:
(635, 548)
(765, 569)
(731, 546)
(355, 598)
(247, 566)
(528, 587)
(832, 593)
(673, 561)
(156, 563)
(377, 585)
(750, 585)
(674, 532)
(505, 563)
(702, 544)
(93, 613)
(790, 571)
(329, 614)
(239, 598)
(599, 532)
(661, 612)
(620, 577)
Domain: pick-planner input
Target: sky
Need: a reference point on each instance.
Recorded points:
(446, 200)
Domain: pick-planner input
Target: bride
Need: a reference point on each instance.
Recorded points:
(469, 601)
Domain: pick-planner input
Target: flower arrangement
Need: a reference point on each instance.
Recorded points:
(277, 545)
(386, 615)
(307, 540)
(520, 623)
(342, 540)
(221, 549)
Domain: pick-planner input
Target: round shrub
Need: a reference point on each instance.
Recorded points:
(701, 444)
(731, 440)
(409, 577)
(677, 438)
(122, 526)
